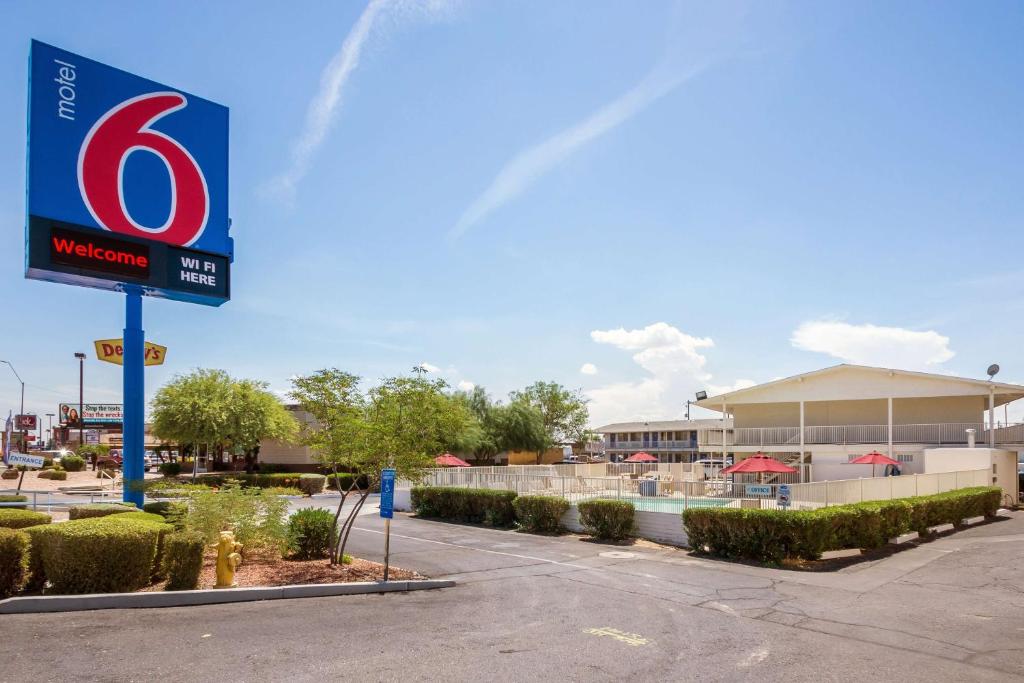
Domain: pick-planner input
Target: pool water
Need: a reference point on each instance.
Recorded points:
(673, 505)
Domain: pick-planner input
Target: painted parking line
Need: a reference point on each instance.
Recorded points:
(633, 639)
(479, 550)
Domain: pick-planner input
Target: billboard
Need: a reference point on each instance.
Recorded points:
(127, 182)
(96, 414)
(112, 351)
(26, 422)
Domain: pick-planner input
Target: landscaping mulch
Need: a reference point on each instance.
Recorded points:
(272, 571)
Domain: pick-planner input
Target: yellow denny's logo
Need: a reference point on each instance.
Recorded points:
(112, 351)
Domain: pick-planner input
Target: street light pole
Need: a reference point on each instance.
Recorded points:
(22, 399)
(81, 405)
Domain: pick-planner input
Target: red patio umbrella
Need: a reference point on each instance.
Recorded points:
(449, 460)
(874, 458)
(759, 463)
(641, 457)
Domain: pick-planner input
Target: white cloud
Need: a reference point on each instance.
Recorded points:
(466, 386)
(320, 115)
(531, 164)
(429, 367)
(676, 367)
(867, 344)
(588, 369)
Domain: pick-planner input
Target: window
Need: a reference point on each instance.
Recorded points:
(904, 457)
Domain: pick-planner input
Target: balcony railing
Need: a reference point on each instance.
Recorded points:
(938, 434)
(659, 445)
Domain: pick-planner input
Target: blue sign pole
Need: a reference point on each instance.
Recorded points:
(134, 393)
(387, 511)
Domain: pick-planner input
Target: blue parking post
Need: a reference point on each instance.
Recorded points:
(134, 390)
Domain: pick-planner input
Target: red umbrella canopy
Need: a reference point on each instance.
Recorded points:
(874, 458)
(759, 462)
(449, 460)
(641, 457)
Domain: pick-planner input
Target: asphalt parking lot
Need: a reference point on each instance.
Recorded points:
(535, 607)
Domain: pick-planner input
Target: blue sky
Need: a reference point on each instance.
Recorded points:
(635, 199)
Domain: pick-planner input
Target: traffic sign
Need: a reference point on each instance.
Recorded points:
(387, 493)
(783, 500)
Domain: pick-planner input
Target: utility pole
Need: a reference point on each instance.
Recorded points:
(81, 404)
(49, 430)
(23, 434)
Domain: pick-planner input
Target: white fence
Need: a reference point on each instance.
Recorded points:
(658, 492)
(938, 434)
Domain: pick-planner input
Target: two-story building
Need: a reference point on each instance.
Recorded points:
(823, 419)
(668, 440)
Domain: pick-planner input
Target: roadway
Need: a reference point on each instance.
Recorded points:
(536, 607)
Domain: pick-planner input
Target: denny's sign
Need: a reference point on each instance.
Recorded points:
(112, 351)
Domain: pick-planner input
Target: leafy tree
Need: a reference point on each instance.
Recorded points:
(563, 412)
(255, 414)
(517, 427)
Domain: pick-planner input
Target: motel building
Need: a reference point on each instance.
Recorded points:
(668, 440)
(820, 420)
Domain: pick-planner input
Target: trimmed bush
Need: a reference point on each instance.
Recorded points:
(20, 519)
(540, 513)
(774, 535)
(183, 560)
(4, 500)
(73, 463)
(99, 510)
(112, 554)
(610, 520)
(310, 484)
(309, 533)
(170, 469)
(173, 512)
(14, 561)
(55, 473)
(480, 506)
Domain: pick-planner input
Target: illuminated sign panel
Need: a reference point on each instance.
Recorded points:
(127, 182)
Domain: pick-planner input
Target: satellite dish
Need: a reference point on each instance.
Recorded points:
(992, 370)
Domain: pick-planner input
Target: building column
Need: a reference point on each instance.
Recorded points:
(724, 430)
(890, 426)
(802, 441)
(992, 417)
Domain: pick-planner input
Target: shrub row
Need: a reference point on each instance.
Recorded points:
(99, 510)
(540, 513)
(6, 499)
(343, 481)
(479, 506)
(14, 561)
(307, 483)
(774, 535)
(607, 519)
(20, 519)
(116, 553)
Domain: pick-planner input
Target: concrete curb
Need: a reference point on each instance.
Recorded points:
(74, 603)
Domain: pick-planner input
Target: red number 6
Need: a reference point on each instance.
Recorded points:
(126, 129)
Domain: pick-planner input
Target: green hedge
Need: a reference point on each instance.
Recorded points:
(14, 561)
(73, 463)
(54, 473)
(183, 560)
(20, 519)
(309, 533)
(775, 535)
(113, 554)
(480, 506)
(170, 469)
(5, 501)
(99, 510)
(540, 513)
(607, 519)
(343, 481)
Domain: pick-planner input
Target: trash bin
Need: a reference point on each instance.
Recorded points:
(648, 487)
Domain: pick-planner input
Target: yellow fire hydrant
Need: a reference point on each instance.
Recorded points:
(228, 559)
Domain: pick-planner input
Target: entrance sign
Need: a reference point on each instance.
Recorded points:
(127, 182)
(127, 191)
(112, 351)
(387, 493)
(783, 500)
(15, 459)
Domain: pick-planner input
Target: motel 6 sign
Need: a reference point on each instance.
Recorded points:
(127, 182)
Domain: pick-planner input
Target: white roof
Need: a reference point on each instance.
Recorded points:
(661, 425)
(848, 382)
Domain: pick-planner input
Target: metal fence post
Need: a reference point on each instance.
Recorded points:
(618, 494)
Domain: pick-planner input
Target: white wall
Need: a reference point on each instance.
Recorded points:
(665, 527)
(830, 463)
(1001, 462)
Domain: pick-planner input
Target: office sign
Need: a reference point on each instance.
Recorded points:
(387, 493)
(15, 459)
(26, 422)
(112, 351)
(96, 414)
(759, 490)
(127, 182)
